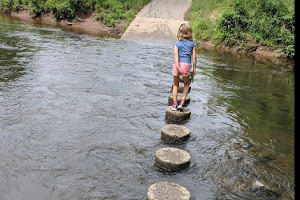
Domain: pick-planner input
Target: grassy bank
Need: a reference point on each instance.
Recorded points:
(108, 11)
(242, 24)
(246, 24)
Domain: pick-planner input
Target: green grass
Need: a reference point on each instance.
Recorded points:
(246, 24)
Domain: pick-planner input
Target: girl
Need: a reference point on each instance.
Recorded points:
(184, 52)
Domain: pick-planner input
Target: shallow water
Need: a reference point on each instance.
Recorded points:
(81, 118)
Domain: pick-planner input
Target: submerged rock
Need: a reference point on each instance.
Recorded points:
(262, 192)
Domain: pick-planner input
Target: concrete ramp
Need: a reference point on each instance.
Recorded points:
(158, 22)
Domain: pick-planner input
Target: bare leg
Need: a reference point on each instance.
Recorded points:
(186, 81)
(175, 88)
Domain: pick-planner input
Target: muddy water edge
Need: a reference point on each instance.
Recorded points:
(81, 117)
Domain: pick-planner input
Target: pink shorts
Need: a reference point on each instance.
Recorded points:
(184, 68)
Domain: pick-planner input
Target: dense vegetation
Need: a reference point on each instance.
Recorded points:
(108, 11)
(246, 24)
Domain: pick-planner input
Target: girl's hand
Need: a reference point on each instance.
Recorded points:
(179, 71)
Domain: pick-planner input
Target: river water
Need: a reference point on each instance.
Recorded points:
(81, 118)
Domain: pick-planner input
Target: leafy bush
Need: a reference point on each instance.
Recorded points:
(110, 11)
(246, 23)
(269, 23)
(64, 11)
(9, 5)
(36, 6)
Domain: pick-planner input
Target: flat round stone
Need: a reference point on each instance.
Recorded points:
(167, 191)
(172, 159)
(175, 133)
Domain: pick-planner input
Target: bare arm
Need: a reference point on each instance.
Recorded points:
(176, 59)
(194, 60)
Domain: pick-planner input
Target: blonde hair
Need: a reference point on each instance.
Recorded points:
(185, 32)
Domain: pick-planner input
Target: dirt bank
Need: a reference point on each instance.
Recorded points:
(82, 24)
(260, 51)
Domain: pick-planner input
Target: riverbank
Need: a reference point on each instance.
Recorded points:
(82, 24)
(261, 52)
(88, 24)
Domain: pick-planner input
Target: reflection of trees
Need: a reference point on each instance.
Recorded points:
(10, 67)
(14, 54)
(264, 90)
(264, 99)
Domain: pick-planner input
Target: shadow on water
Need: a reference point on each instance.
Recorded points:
(81, 118)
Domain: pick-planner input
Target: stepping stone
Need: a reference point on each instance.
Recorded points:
(178, 115)
(187, 100)
(167, 191)
(172, 159)
(175, 133)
